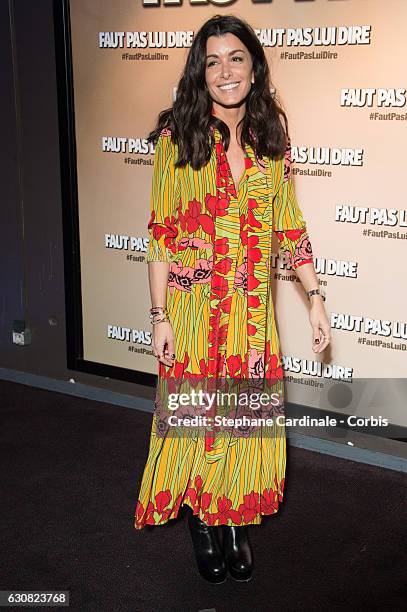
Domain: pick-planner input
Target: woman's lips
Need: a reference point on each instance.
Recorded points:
(229, 86)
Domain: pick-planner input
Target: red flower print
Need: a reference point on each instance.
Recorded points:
(162, 499)
(269, 502)
(192, 214)
(252, 203)
(192, 495)
(222, 334)
(254, 253)
(223, 166)
(252, 282)
(200, 501)
(207, 224)
(294, 234)
(251, 220)
(226, 512)
(206, 500)
(139, 511)
(222, 206)
(225, 304)
(251, 329)
(163, 371)
(216, 206)
(273, 365)
(245, 368)
(148, 515)
(212, 353)
(219, 286)
(208, 517)
(210, 203)
(253, 301)
(203, 367)
(209, 440)
(223, 266)
(214, 319)
(178, 369)
(167, 229)
(234, 363)
(221, 246)
(215, 364)
(194, 219)
(251, 506)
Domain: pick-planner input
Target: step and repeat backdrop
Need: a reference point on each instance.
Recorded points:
(339, 70)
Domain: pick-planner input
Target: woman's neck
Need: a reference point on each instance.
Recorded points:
(230, 116)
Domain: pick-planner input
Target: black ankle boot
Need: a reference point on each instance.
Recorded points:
(237, 552)
(208, 552)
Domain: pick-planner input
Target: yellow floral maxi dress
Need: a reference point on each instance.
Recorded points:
(217, 240)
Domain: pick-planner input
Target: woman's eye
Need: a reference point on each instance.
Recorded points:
(239, 59)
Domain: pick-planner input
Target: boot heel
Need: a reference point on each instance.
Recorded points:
(208, 552)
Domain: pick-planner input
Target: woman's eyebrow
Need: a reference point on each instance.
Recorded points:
(230, 53)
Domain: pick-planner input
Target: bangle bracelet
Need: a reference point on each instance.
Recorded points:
(159, 321)
(317, 292)
(155, 312)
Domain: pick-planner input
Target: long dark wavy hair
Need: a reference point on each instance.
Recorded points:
(190, 118)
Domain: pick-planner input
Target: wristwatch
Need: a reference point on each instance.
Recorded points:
(320, 292)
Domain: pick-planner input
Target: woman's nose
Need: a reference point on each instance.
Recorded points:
(225, 71)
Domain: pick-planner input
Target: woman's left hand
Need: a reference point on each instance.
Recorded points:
(321, 329)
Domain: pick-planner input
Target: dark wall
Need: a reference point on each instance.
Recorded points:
(31, 246)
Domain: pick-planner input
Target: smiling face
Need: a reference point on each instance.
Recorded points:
(229, 70)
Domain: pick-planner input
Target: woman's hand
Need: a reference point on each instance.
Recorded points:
(163, 342)
(321, 329)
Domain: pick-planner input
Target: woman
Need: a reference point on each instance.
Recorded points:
(221, 185)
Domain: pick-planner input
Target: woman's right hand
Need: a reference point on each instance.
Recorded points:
(163, 343)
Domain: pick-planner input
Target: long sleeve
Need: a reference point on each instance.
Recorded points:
(162, 226)
(288, 221)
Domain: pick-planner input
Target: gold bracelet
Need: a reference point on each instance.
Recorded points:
(158, 311)
(154, 322)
